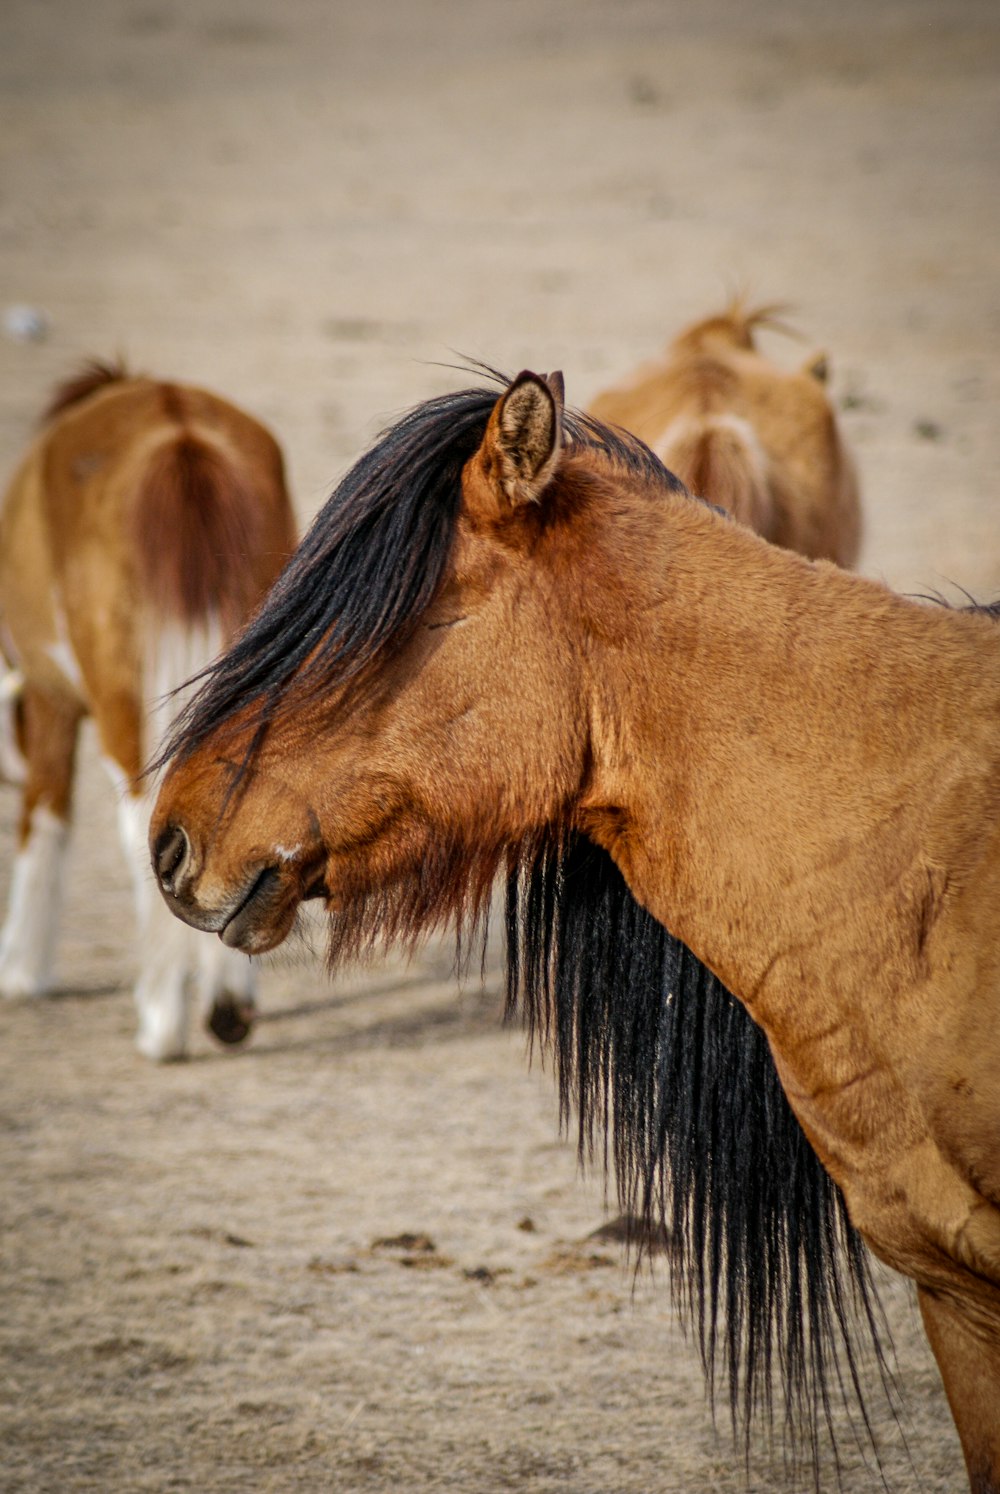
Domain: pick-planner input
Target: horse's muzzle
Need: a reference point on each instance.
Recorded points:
(175, 876)
(254, 915)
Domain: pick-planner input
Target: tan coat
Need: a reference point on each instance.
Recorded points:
(796, 772)
(761, 442)
(144, 524)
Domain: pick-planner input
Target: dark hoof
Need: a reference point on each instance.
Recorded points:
(231, 1021)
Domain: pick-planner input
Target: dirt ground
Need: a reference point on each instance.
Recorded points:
(207, 1281)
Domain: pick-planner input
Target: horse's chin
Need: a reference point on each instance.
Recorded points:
(258, 939)
(265, 915)
(269, 912)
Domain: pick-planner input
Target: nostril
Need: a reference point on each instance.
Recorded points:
(169, 854)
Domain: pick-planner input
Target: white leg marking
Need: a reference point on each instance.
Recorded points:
(172, 957)
(175, 962)
(160, 991)
(27, 944)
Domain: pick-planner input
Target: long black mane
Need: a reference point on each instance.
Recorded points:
(366, 571)
(671, 1078)
(651, 1051)
(369, 566)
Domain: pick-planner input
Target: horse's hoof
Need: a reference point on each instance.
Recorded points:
(231, 1021)
(161, 1044)
(17, 984)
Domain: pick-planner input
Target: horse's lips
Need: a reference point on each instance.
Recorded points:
(242, 930)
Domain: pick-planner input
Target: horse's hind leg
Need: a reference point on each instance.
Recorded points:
(161, 987)
(968, 1354)
(49, 725)
(177, 963)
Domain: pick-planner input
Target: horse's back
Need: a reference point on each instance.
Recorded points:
(713, 376)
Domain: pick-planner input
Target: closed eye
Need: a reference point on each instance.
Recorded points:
(448, 622)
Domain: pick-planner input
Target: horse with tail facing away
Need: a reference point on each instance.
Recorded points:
(142, 528)
(747, 807)
(760, 441)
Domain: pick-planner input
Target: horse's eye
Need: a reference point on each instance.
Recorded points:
(446, 622)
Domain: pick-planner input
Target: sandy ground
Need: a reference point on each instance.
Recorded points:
(310, 207)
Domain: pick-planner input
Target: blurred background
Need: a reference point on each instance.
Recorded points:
(306, 205)
(311, 208)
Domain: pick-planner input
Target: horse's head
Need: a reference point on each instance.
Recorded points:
(410, 703)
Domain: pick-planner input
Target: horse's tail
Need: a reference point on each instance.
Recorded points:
(735, 324)
(198, 528)
(719, 457)
(197, 519)
(96, 374)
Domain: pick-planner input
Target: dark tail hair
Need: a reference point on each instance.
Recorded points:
(196, 520)
(717, 460)
(94, 375)
(661, 1061)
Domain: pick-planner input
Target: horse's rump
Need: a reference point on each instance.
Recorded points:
(720, 458)
(755, 439)
(195, 520)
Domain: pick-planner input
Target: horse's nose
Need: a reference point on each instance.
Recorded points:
(170, 856)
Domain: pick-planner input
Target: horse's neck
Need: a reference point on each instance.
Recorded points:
(782, 746)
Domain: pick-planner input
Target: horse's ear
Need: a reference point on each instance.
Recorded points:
(817, 367)
(557, 387)
(528, 435)
(520, 450)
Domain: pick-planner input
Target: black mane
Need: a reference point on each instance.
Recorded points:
(370, 564)
(651, 1050)
(666, 1067)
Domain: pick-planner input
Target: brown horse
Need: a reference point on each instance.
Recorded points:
(143, 526)
(760, 441)
(513, 643)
